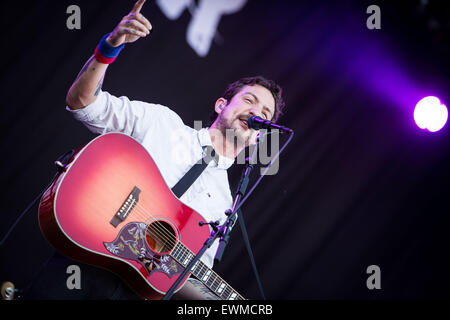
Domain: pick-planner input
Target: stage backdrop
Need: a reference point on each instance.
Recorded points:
(359, 185)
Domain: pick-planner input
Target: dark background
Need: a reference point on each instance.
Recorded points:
(358, 185)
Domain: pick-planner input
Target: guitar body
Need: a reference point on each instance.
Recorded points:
(112, 208)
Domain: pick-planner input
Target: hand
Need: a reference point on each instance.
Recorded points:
(132, 27)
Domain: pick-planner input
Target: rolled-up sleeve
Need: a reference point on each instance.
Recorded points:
(109, 113)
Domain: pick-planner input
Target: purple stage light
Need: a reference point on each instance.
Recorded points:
(430, 114)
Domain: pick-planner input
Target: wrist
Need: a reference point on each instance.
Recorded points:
(106, 52)
(111, 41)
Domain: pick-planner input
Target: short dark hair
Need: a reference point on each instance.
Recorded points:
(270, 85)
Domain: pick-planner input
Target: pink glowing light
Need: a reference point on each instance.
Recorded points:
(430, 114)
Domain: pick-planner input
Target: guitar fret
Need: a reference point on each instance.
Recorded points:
(178, 253)
(221, 287)
(212, 278)
(213, 287)
(230, 291)
(207, 281)
(215, 283)
(200, 271)
(175, 252)
(194, 267)
(204, 270)
(227, 292)
(206, 276)
(187, 259)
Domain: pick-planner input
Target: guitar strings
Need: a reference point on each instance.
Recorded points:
(140, 212)
(228, 290)
(158, 228)
(167, 237)
(146, 216)
(162, 232)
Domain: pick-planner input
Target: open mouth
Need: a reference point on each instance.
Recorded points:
(244, 123)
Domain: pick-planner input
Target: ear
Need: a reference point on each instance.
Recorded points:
(220, 104)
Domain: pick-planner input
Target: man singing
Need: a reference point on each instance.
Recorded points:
(174, 147)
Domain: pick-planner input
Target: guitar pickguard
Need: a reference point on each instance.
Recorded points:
(131, 244)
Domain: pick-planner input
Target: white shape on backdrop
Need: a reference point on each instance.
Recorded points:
(205, 19)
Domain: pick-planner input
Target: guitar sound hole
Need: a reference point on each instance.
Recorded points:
(160, 236)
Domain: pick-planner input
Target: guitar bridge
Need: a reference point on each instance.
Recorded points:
(126, 207)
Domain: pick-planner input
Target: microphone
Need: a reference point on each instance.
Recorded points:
(257, 123)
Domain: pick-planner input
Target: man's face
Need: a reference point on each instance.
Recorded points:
(251, 100)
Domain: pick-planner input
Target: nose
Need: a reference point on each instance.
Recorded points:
(255, 111)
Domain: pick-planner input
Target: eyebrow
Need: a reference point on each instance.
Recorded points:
(257, 100)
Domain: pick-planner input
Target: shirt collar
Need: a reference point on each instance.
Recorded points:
(205, 140)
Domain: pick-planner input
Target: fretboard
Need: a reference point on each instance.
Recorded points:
(208, 277)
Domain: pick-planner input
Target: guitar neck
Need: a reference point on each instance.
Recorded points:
(207, 276)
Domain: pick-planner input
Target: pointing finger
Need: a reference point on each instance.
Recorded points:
(137, 6)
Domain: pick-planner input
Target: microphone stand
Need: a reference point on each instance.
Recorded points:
(224, 231)
(8, 289)
(221, 229)
(242, 187)
(61, 163)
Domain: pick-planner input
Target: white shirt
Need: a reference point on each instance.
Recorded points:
(174, 147)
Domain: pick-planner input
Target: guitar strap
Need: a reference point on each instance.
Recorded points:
(189, 178)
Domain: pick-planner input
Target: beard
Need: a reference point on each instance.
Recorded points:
(233, 131)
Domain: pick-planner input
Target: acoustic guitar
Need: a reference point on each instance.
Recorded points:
(110, 207)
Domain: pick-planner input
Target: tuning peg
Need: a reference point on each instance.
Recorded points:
(7, 290)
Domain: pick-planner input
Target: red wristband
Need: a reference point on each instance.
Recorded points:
(102, 59)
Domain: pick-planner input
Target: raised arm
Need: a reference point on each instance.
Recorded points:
(88, 83)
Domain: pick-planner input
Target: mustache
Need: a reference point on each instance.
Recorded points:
(245, 117)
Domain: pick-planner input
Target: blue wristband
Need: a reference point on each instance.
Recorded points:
(107, 50)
